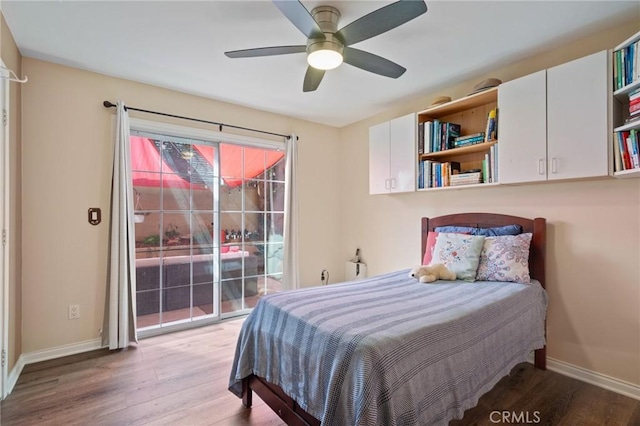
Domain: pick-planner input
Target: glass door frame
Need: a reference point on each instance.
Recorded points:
(214, 138)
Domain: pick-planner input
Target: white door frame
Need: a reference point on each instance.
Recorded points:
(4, 225)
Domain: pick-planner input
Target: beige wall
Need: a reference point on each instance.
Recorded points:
(12, 59)
(593, 251)
(593, 271)
(67, 165)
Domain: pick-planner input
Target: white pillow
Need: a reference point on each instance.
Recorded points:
(505, 258)
(460, 253)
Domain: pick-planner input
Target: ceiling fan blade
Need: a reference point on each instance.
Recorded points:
(266, 51)
(372, 63)
(300, 17)
(381, 20)
(312, 79)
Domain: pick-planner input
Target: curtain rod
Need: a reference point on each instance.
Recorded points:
(108, 104)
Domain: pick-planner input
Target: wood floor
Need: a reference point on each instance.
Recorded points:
(181, 379)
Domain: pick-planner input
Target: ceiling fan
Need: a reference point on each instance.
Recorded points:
(327, 47)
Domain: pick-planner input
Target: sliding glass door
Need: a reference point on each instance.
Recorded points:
(208, 228)
(252, 216)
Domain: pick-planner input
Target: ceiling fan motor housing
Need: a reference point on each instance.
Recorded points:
(327, 18)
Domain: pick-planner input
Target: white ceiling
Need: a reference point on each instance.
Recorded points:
(179, 45)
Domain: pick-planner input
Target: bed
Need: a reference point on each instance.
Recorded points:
(389, 350)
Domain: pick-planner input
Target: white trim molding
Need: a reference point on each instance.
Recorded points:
(47, 354)
(14, 374)
(597, 379)
(62, 351)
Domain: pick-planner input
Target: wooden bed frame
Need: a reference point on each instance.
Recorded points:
(291, 413)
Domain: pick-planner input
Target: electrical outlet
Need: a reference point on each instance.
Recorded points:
(324, 276)
(74, 312)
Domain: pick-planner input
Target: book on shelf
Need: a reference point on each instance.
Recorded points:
(440, 135)
(466, 179)
(493, 158)
(472, 136)
(617, 155)
(468, 142)
(625, 65)
(428, 133)
(626, 150)
(632, 149)
(492, 126)
(433, 174)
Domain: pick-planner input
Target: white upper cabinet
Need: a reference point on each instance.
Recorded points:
(522, 129)
(379, 159)
(392, 156)
(554, 124)
(577, 118)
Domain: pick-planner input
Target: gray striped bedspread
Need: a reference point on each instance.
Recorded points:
(389, 350)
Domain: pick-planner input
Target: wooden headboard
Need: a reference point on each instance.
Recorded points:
(537, 226)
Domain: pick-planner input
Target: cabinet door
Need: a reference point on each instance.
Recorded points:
(577, 118)
(522, 132)
(379, 182)
(402, 153)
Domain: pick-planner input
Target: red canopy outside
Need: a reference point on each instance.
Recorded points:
(146, 164)
(256, 161)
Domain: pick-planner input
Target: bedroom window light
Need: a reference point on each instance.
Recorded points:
(210, 242)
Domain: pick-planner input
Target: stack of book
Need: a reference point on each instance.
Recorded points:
(433, 174)
(634, 105)
(625, 65)
(626, 150)
(436, 135)
(469, 177)
(467, 140)
(490, 165)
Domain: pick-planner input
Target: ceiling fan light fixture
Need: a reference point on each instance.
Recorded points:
(324, 59)
(325, 54)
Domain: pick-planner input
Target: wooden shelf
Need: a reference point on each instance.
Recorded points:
(480, 147)
(622, 93)
(627, 174)
(468, 102)
(470, 186)
(631, 125)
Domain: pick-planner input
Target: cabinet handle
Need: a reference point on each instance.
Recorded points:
(554, 165)
(541, 166)
(387, 184)
(393, 183)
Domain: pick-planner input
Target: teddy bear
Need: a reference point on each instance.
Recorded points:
(431, 273)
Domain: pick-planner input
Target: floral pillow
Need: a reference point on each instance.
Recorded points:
(459, 252)
(505, 258)
(431, 243)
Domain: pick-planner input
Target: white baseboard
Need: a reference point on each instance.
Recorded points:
(12, 377)
(61, 351)
(602, 380)
(47, 354)
(598, 379)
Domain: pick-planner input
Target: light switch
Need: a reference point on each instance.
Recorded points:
(95, 215)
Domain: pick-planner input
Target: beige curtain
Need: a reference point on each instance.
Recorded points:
(291, 273)
(120, 310)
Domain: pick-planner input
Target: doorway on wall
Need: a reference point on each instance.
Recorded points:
(208, 224)
(4, 226)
